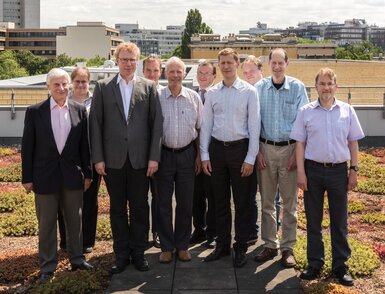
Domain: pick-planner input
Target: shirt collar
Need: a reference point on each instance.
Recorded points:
(285, 85)
(316, 104)
(236, 84)
(183, 92)
(120, 78)
(53, 103)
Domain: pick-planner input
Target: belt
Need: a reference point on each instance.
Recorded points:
(178, 150)
(325, 164)
(281, 143)
(229, 143)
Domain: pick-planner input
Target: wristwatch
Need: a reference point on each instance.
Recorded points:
(354, 167)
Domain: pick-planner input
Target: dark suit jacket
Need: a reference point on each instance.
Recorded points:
(113, 136)
(42, 164)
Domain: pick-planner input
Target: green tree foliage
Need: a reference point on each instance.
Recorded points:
(96, 61)
(34, 65)
(193, 25)
(9, 67)
(365, 51)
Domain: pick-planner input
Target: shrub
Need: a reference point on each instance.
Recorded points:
(371, 186)
(71, 282)
(103, 229)
(22, 222)
(4, 151)
(355, 207)
(373, 218)
(11, 200)
(327, 288)
(363, 260)
(379, 248)
(11, 173)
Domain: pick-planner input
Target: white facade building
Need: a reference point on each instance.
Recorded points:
(24, 13)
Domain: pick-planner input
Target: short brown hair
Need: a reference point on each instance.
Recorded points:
(252, 59)
(152, 57)
(279, 49)
(76, 71)
(205, 62)
(228, 51)
(127, 46)
(326, 71)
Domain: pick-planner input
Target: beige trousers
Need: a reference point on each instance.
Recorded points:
(276, 176)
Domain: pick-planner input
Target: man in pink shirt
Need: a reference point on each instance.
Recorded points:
(56, 167)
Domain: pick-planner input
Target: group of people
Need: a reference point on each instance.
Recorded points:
(202, 145)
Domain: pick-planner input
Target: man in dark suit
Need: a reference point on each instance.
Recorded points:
(204, 213)
(56, 166)
(126, 130)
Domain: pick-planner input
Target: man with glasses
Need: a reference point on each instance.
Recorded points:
(326, 132)
(204, 212)
(126, 131)
(280, 96)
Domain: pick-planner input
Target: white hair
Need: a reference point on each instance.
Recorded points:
(175, 59)
(57, 73)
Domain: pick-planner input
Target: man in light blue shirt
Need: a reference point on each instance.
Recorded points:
(280, 98)
(229, 145)
(327, 131)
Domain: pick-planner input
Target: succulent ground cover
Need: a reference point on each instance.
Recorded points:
(18, 241)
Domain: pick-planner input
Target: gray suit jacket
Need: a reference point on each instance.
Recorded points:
(113, 136)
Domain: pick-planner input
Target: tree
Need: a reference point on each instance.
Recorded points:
(364, 51)
(193, 25)
(9, 68)
(96, 61)
(33, 64)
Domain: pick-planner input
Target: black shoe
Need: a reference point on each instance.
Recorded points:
(197, 237)
(156, 240)
(87, 249)
(218, 253)
(343, 276)
(239, 258)
(140, 263)
(253, 238)
(119, 266)
(82, 266)
(44, 277)
(310, 273)
(210, 243)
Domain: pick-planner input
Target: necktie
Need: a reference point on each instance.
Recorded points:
(203, 92)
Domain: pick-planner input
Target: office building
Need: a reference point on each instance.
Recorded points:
(24, 13)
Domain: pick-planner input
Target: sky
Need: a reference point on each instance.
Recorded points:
(223, 16)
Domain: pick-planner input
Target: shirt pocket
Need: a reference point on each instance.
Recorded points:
(289, 110)
(189, 116)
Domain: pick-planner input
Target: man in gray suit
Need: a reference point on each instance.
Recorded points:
(126, 130)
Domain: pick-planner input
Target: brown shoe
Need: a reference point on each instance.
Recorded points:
(165, 257)
(184, 255)
(287, 259)
(266, 254)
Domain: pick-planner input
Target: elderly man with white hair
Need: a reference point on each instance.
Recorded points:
(56, 167)
(180, 161)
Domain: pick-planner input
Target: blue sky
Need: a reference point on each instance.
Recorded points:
(226, 16)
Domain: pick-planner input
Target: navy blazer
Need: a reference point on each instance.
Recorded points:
(42, 164)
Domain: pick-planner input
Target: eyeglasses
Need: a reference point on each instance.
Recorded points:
(78, 82)
(127, 60)
(326, 84)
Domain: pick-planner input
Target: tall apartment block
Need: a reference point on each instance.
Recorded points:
(24, 13)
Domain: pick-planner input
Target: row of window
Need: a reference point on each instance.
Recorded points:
(32, 44)
(35, 34)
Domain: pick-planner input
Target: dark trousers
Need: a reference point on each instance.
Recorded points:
(175, 169)
(254, 228)
(89, 217)
(128, 187)
(334, 181)
(204, 212)
(226, 163)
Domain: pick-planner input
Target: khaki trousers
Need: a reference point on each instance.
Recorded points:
(276, 176)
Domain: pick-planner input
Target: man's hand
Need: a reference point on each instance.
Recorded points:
(28, 187)
(100, 168)
(301, 181)
(261, 162)
(87, 184)
(292, 163)
(198, 165)
(206, 166)
(352, 182)
(246, 169)
(152, 168)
